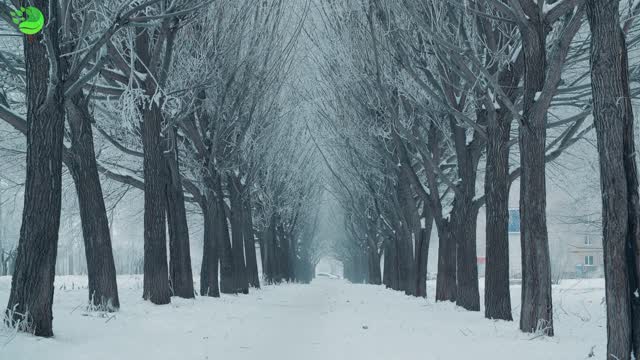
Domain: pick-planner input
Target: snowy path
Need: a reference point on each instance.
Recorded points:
(324, 320)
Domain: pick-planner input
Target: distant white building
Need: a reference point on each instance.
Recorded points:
(575, 251)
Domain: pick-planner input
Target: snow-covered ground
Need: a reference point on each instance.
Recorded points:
(329, 319)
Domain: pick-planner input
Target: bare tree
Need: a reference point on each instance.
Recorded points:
(32, 283)
(613, 117)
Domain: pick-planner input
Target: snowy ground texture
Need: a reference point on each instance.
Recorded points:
(329, 319)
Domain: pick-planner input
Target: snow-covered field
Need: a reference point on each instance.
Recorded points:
(329, 319)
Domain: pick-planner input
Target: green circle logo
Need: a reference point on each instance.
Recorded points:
(29, 20)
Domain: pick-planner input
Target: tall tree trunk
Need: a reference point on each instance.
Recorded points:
(536, 309)
(422, 254)
(391, 276)
(80, 159)
(464, 214)
(31, 294)
(227, 283)
(386, 253)
(613, 118)
(237, 239)
(292, 256)
(465, 220)
(275, 255)
(633, 202)
(156, 271)
(81, 162)
(375, 276)
(396, 276)
(283, 254)
(404, 258)
(250, 242)
(409, 232)
(446, 280)
(180, 273)
(209, 271)
(269, 264)
(497, 298)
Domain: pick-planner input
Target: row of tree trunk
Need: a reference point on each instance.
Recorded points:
(279, 260)
(233, 256)
(48, 106)
(613, 117)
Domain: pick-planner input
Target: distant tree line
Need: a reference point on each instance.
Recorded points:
(189, 98)
(433, 109)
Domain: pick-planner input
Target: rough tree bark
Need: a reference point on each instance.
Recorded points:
(464, 214)
(31, 294)
(633, 202)
(407, 234)
(227, 283)
(464, 220)
(391, 267)
(497, 298)
(446, 288)
(80, 159)
(209, 285)
(237, 238)
(613, 118)
(156, 271)
(446, 283)
(536, 310)
(180, 273)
